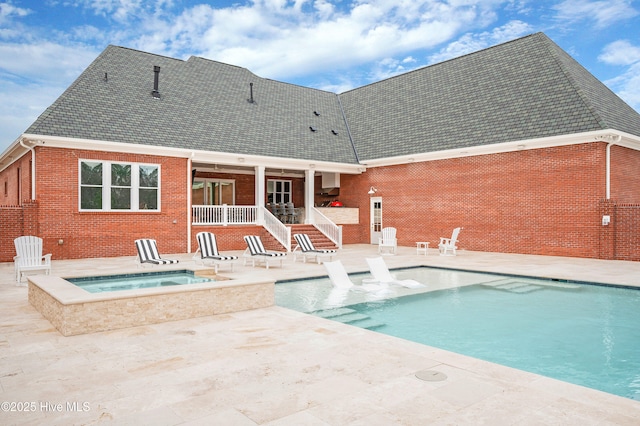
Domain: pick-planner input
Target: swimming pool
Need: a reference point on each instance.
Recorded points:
(99, 284)
(579, 333)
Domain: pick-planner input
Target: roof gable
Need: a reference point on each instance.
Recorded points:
(203, 105)
(524, 89)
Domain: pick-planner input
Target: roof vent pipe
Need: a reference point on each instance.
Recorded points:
(156, 78)
(251, 92)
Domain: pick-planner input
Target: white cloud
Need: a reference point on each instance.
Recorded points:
(280, 39)
(620, 52)
(602, 12)
(8, 11)
(32, 76)
(45, 62)
(472, 42)
(627, 84)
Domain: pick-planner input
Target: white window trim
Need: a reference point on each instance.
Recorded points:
(106, 186)
(289, 181)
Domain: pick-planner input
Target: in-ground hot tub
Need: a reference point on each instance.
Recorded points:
(73, 310)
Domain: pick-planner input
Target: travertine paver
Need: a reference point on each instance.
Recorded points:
(278, 367)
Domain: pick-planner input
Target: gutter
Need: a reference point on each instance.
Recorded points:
(33, 168)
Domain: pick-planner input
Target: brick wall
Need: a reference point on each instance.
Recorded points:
(15, 182)
(542, 201)
(11, 220)
(626, 225)
(545, 201)
(625, 175)
(69, 234)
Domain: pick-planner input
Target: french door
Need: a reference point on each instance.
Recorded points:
(213, 192)
(376, 219)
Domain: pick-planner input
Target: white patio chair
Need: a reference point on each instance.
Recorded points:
(208, 249)
(388, 240)
(29, 256)
(148, 253)
(256, 252)
(448, 245)
(306, 247)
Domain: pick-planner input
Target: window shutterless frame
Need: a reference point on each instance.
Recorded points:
(118, 186)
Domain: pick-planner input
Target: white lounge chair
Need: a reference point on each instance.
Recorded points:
(148, 253)
(380, 272)
(388, 240)
(340, 279)
(338, 275)
(29, 256)
(208, 249)
(255, 251)
(307, 249)
(449, 244)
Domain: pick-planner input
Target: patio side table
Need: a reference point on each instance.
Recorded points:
(421, 247)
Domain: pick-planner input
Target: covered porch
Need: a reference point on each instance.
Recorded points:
(237, 193)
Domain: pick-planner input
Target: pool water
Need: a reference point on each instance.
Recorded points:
(579, 333)
(137, 281)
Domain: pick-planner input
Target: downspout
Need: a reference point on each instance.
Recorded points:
(33, 168)
(608, 161)
(189, 208)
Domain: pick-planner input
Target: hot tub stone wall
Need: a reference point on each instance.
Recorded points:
(102, 315)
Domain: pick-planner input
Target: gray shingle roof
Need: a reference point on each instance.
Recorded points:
(204, 105)
(526, 88)
(523, 89)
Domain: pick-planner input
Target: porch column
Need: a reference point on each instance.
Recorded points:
(308, 195)
(260, 196)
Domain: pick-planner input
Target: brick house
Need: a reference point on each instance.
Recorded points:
(518, 144)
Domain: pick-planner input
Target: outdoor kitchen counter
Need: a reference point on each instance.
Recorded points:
(341, 215)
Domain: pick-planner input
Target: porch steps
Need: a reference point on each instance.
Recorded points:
(349, 316)
(317, 238)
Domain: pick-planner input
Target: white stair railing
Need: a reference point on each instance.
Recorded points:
(276, 228)
(327, 227)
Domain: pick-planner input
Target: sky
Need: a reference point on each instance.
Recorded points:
(333, 45)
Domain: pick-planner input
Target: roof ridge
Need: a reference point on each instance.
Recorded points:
(553, 50)
(113, 46)
(456, 58)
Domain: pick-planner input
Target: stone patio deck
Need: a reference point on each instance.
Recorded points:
(273, 366)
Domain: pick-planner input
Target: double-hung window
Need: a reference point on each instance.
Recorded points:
(118, 186)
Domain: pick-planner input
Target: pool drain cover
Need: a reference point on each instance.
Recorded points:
(431, 376)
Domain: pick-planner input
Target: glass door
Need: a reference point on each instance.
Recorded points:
(214, 192)
(376, 219)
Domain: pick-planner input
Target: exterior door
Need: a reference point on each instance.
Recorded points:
(214, 192)
(376, 219)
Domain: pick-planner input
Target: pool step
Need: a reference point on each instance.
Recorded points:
(349, 316)
(513, 286)
(369, 323)
(330, 313)
(522, 286)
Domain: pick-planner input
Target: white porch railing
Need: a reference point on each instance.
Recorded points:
(247, 215)
(223, 215)
(327, 227)
(276, 228)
